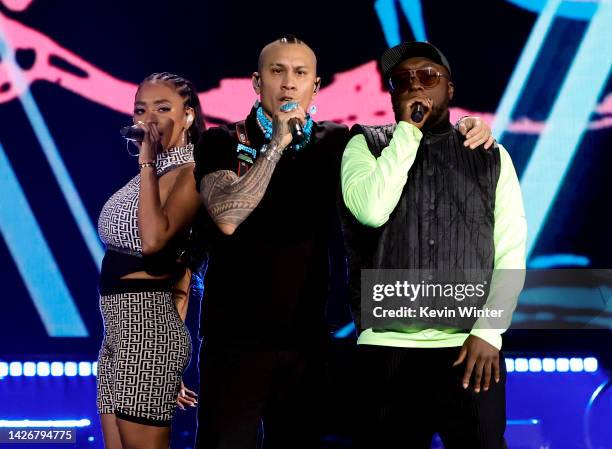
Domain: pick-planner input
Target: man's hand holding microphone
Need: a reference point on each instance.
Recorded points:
(416, 110)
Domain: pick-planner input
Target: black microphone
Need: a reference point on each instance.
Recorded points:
(417, 113)
(295, 126)
(133, 133)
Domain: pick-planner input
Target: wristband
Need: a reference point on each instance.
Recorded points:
(271, 152)
(147, 164)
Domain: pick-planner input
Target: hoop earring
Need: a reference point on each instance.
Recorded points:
(129, 150)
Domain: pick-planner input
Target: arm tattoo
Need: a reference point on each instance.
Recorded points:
(230, 199)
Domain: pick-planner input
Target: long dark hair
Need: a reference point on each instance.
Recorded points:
(187, 91)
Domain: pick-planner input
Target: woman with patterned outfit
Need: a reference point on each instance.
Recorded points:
(143, 284)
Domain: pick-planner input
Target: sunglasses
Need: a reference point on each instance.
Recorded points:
(428, 77)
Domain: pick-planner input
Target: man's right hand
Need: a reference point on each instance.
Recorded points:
(407, 109)
(230, 199)
(281, 134)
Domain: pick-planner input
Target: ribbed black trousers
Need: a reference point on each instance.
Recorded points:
(405, 395)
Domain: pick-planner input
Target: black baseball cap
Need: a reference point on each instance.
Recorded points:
(393, 56)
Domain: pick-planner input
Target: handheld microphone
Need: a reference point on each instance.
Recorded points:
(133, 133)
(417, 113)
(295, 126)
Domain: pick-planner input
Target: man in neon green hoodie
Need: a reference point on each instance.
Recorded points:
(417, 198)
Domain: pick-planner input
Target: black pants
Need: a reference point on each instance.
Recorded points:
(405, 395)
(250, 393)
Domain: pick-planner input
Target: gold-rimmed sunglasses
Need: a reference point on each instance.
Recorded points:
(428, 77)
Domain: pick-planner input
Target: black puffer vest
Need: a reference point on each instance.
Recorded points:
(445, 216)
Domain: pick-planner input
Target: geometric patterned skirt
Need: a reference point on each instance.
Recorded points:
(145, 350)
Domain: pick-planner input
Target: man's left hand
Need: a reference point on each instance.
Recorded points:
(476, 132)
(482, 360)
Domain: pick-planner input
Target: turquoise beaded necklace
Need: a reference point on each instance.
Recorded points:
(266, 127)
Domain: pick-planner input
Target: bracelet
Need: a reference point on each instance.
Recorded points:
(147, 164)
(271, 152)
(458, 122)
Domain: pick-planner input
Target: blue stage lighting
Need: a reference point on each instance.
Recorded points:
(548, 364)
(345, 330)
(388, 15)
(70, 369)
(590, 364)
(43, 369)
(521, 365)
(551, 365)
(84, 369)
(15, 369)
(576, 365)
(57, 369)
(535, 365)
(4, 369)
(567, 121)
(523, 422)
(29, 369)
(558, 260)
(64, 180)
(527, 60)
(34, 260)
(563, 365)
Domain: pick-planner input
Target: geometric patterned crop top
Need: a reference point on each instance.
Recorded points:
(118, 225)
